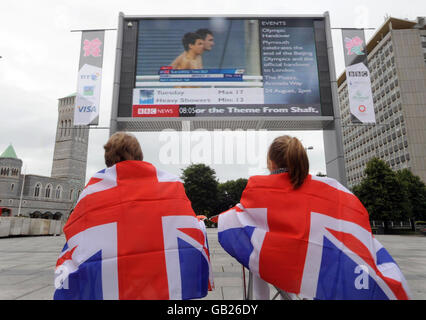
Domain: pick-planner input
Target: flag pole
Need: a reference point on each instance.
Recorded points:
(244, 283)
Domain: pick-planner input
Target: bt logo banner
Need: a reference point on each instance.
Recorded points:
(86, 111)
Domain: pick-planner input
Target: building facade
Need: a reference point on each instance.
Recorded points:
(397, 63)
(49, 197)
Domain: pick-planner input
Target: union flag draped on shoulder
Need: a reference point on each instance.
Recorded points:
(133, 235)
(315, 241)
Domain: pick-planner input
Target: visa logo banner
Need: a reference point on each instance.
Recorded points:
(86, 111)
(87, 101)
(86, 108)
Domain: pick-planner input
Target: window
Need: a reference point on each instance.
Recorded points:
(12, 187)
(37, 190)
(71, 194)
(58, 192)
(48, 191)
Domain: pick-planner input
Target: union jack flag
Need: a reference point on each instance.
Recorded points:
(133, 235)
(315, 241)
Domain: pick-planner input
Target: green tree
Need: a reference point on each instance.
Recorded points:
(230, 193)
(201, 187)
(415, 190)
(382, 193)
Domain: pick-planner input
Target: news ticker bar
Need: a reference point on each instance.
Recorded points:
(167, 74)
(183, 111)
(201, 77)
(169, 70)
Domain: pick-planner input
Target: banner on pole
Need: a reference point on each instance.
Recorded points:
(361, 102)
(86, 111)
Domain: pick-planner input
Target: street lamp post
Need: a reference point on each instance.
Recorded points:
(22, 192)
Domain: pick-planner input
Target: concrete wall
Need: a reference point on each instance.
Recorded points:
(15, 226)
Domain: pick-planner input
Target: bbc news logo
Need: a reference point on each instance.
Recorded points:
(149, 111)
(358, 74)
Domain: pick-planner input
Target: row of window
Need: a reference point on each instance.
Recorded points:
(385, 49)
(66, 127)
(48, 192)
(9, 172)
(395, 164)
(382, 146)
(67, 101)
(423, 39)
(400, 156)
(380, 136)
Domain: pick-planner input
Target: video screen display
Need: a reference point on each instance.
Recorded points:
(226, 67)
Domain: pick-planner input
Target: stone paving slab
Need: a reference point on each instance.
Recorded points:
(27, 266)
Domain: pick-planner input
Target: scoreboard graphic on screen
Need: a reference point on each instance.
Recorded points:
(222, 69)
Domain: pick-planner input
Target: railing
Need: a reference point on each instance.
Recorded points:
(392, 224)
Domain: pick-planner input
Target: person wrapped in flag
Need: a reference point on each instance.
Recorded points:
(308, 236)
(133, 234)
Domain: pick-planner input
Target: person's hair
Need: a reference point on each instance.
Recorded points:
(203, 33)
(190, 38)
(287, 152)
(122, 146)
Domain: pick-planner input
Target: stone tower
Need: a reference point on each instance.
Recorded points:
(71, 144)
(10, 172)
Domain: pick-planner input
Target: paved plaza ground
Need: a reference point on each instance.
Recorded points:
(27, 266)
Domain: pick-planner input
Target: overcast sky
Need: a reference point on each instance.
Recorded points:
(39, 65)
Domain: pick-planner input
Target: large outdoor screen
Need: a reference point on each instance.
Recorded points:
(226, 67)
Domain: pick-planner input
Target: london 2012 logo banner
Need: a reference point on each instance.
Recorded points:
(354, 46)
(86, 111)
(361, 102)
